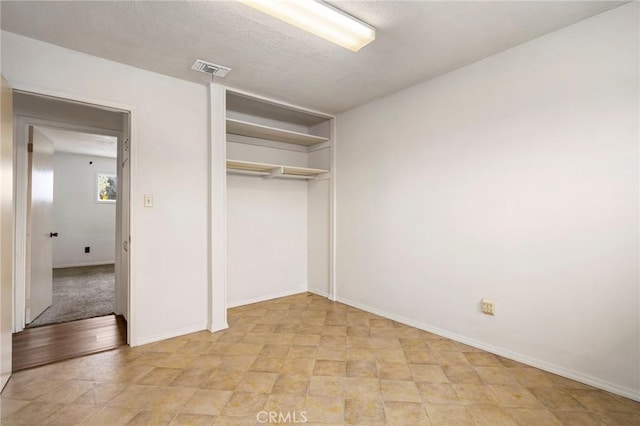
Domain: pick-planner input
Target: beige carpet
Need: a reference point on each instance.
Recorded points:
(79, 293)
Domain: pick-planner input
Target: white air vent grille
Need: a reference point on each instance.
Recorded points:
(209, 68)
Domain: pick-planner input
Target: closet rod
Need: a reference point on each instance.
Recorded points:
(267, 174)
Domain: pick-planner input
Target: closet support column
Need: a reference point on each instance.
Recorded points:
(217, 295)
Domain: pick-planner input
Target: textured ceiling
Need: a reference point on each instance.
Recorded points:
(415, 41)
(81, 143)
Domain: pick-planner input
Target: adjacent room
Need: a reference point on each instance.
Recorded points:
(422, 213)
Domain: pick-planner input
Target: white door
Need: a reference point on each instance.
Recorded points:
(123, 241)
(6, 230)
(40, 288)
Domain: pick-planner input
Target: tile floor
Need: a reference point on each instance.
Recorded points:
(307, 360)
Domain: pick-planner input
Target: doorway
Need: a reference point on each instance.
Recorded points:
(71, 227)
(72, 211)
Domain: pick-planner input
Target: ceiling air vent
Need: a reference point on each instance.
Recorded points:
(209, 68)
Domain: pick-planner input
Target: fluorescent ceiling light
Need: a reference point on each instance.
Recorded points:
(319, 18)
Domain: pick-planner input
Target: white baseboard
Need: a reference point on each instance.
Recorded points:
(319, 293)
(543, 365)
(170, 334)
(297, 290)
(78, 265)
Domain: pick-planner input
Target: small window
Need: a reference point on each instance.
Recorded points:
(106, 188)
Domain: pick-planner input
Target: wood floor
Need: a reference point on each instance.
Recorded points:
(44, 345)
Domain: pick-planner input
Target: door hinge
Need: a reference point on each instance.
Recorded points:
(30, 147)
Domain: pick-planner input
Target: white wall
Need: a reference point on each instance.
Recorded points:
(169, 147)
(266, 229)
(514, 178)
(266, 238)
(77, 217)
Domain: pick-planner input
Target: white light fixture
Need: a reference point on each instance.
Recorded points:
(321, 19)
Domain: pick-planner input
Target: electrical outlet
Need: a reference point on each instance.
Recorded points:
(488, 306)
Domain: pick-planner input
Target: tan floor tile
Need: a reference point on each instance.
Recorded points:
(291, 384)
(66, 392)
(450, 359)
(223, 380)
(323, 409)
(362, 341)
(30, 389)
(356, 368)
(360, 353)
(563, 382)
(231, 337)
(257, 382)
(10, 406)
(380, 322)
(329, 340)
(496, 376)
(358, 331)
(263, 328)
(167, 398)
(274, 350)
(448, 415)
(394, 371)
(298, 366)
(267, 364)
(330, 368)
(419, 356)
(414, 343)
(306, 340)
(438, 393)
(155, 418)
(596, 400)
(462, 375)
(556, 399)
(334, 330)
(515, 396)
(283, 338)
(482, 359)
(475, 394)
(405, 413)
(206, 362)
(100, 393)
(195, 347)
(244, 349)
(220, 348)
(285, 403)
(364, 412)
(111, 416)
(327, 386)
(310, 329)
(534, 417)
(332, 353)
(207, 401)
(490, 416)
(509, 362)
(237, 363)
(528, 376)
(399, 390)
(235, 421)
(160, 376)
(72, 415)
(619, 419)
(428, 373)
(390, 356)
(192, 420)
(287, 328)
(385, 343)
(134, 397)
(444, 345)
(193, 377)
(362, 388)
(245, 404)
(296, 351)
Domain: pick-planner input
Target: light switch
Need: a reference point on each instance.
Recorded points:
(148, 200)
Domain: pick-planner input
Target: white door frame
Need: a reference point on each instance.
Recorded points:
(20, 192)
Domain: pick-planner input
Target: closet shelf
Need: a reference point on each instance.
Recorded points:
(273, 170)
(245, 128)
